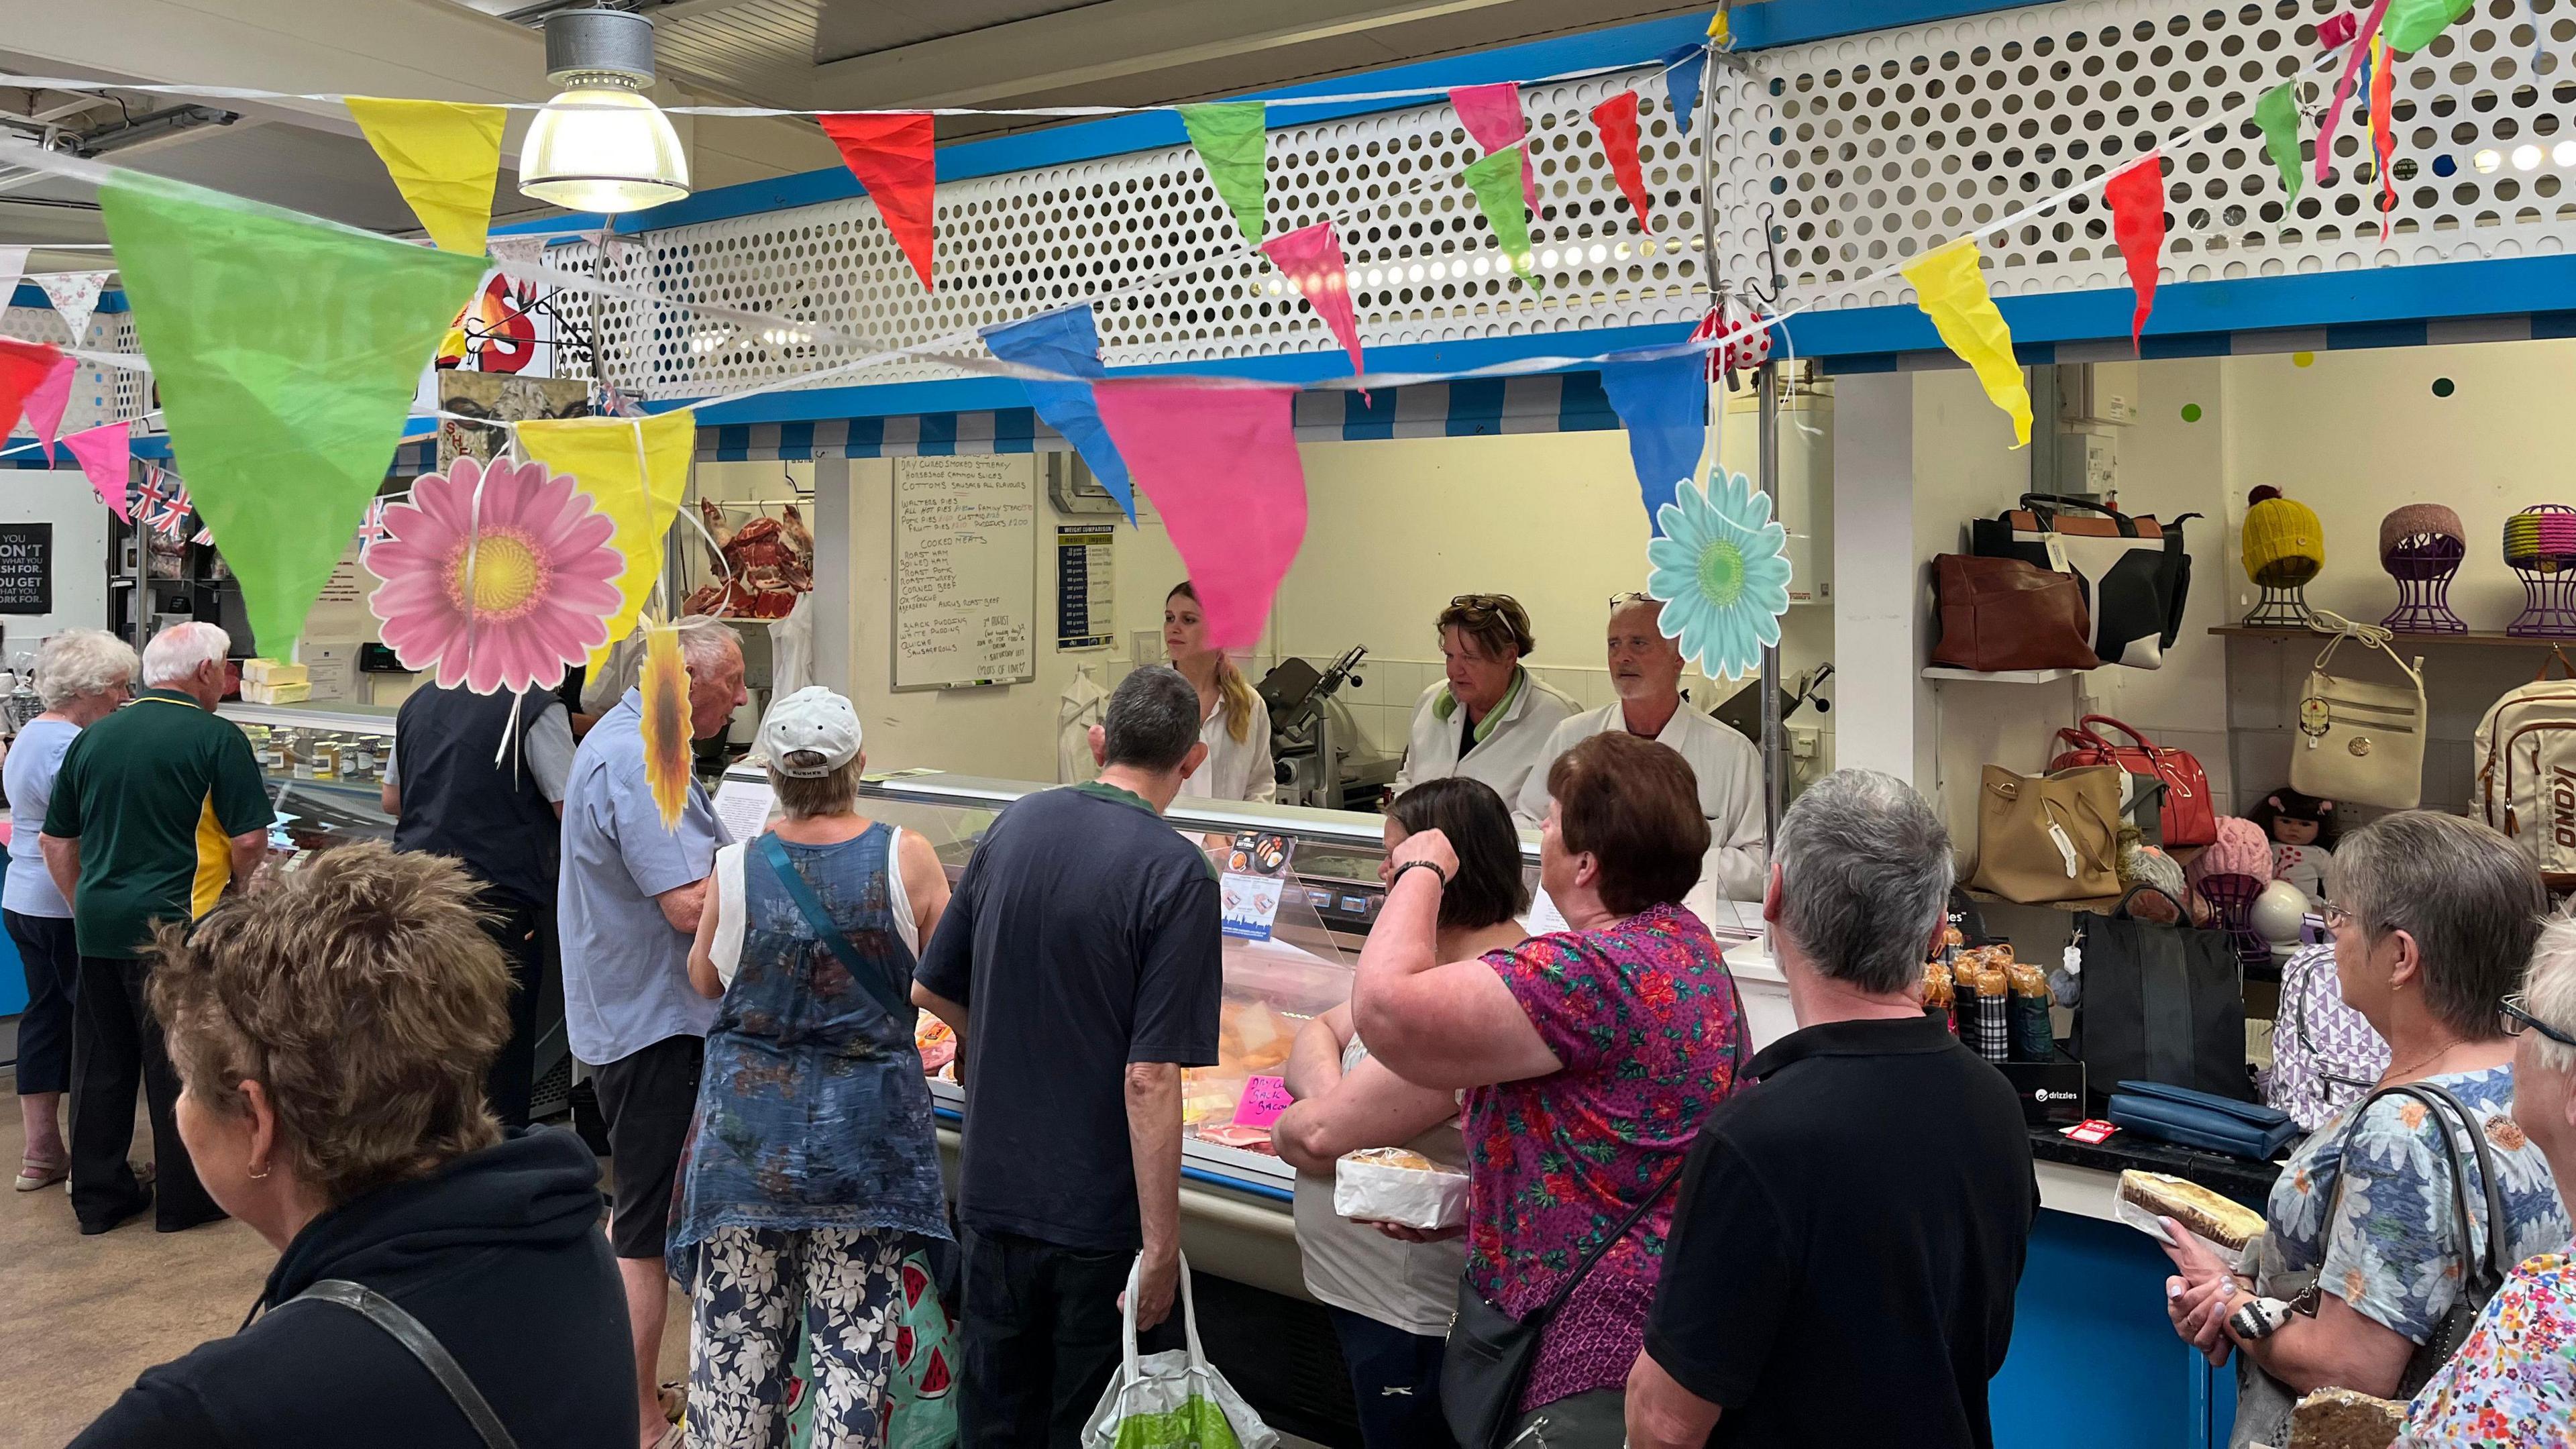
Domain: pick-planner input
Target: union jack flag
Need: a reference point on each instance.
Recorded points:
(165, 505)
(373, 530)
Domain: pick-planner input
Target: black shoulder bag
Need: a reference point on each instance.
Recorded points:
(1489, 1353)
(408, 1331)
(2481, 1274)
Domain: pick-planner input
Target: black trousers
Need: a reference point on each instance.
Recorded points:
(1395, 1382)
(117, 1048)
(1039, 1340)
(51, 956)
(521, 932)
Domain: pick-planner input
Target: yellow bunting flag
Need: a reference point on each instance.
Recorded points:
(667, 736)
(1952, 292)
(444, 159)
(634, 470)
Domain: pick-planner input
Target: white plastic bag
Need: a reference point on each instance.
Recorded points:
(1172, 1400)
(1414, 1197)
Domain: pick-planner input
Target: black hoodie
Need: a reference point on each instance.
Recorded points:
(499, 1255)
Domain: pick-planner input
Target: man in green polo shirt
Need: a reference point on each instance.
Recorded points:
(158, 810)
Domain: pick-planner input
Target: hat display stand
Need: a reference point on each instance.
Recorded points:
(2540, 547)
(2284, 547)
(2231, 902)
(2421, 546)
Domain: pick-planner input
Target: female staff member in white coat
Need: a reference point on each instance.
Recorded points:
(1234, 724)
(1489, 719)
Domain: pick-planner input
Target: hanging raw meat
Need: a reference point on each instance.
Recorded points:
(772, 560)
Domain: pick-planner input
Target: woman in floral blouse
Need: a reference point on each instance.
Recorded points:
(2512, 1385)
(2434, 928)
(1589, 1057)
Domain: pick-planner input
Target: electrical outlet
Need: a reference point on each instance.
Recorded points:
(1802, 742)
(1144, 646)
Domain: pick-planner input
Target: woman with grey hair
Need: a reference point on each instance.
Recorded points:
(81, 675)
(2515, 1376)
(2360, 1278)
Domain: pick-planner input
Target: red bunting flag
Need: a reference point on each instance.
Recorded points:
(1221, 465)
(1492, 114)
(1311, 259)
(2137, 196)
(1616, 121)
(2383, 143)
(24, 366)
(891, 154)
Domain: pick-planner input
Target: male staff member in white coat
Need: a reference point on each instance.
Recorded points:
(1489, 719)
(1646, 669)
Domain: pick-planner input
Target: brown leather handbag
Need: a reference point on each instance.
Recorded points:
(2053, 837)
(2001, 613)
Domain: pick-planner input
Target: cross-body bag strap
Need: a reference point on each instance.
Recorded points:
(1573, 1280)
(819, 920)
(406, 1330)
(2472, 1267)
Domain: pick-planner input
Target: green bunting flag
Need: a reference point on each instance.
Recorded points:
(1230, 137)
(2412, 24)
(2277, 114)
(1496, 180)
(287, 350)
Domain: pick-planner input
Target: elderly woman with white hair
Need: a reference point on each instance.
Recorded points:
(2514, 1379)
(81, 675)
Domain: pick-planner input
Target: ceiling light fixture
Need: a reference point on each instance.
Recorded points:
(600, 145)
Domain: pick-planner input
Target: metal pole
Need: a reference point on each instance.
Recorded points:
(1775, 740)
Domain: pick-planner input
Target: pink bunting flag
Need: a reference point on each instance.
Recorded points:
(1311, 259)
(45, 405)
(1492, 114)
(1221, 464)
(105, 452)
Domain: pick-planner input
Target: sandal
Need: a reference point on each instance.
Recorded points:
(34, 1175)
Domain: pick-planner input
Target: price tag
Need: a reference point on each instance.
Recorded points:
(2092, 1131)
(2056, 547)
(1264, 1098)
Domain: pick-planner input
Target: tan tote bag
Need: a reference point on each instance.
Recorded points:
(2044, 838)
(2360, 743)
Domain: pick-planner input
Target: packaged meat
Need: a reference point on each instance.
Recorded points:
(1393, 1185)
(936, 1043)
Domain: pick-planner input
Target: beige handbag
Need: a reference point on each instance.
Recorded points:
(2360, 743)
(2049, 837)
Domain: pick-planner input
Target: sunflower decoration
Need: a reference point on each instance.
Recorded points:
(665, 687)
(1721, 575)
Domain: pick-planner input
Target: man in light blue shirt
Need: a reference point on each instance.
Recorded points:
(628, 907)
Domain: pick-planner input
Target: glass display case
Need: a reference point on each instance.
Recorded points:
(325, 766)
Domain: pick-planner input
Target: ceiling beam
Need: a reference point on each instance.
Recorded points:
(1103, 41)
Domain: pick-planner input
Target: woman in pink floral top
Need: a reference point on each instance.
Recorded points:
(1589, 1058)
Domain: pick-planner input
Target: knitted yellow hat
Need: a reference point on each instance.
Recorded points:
(2284, 543)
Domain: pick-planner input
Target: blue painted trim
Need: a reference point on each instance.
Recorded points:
(31, 295)
(1795, 22)
(733, 444)
(796, 440)
(982, 394)
(1368, 419)
(1582, 406)
(2367, 300)
(1236, 1184)
(1476, 407)
(1015, 430)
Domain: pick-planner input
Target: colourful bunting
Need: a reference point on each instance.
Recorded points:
(1221, 464)
(1491, 180)
(2343, 87)
(24, 366)
(2277, 114)
(105, 454)
(287, 351)
(1682, 80)
(2412, 24)
(1311, 259)
(1952, 291)
(45, 406)
(2137, 196)
(1492, 114)
(664, 685)
(634, 470)
(444, 158)
(2383, 143)
(75, 296)
(1067, 341)
(1232, 139)
(893, 156)
(1663, 403)
(1615, 120)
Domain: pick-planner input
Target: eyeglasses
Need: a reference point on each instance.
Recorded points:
(2336, 917)
(1633, 596)
(1480, 601)
(2518, 1019)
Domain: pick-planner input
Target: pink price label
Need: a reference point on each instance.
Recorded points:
(1264, 1098)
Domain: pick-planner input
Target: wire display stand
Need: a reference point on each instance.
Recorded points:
(2231, 901)
(2540, 547)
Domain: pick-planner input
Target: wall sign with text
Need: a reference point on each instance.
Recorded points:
(26, 568)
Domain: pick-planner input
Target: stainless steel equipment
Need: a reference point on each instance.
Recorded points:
(1321, 761)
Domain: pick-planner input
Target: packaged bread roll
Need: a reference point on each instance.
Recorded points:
(2231, 1230)
(1395, 1185)
(2034, 1034)
(2345, 1419)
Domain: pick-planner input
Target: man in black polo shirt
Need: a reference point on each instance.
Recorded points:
(158, 810)
(1850, 1230)
(1078, 963)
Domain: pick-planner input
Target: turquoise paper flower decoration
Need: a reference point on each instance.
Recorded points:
(1720, 573)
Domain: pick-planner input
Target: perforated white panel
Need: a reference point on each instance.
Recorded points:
(1863, 152)
(99, 393)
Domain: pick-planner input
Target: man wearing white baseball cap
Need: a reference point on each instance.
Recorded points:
(810, 939)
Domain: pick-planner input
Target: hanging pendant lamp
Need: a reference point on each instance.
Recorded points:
(601, 145)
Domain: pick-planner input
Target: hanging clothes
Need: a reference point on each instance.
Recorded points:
(1083, 704)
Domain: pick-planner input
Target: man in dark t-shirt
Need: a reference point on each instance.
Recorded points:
(1078, 964)
(1864, 1209)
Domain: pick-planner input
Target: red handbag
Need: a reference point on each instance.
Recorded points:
(2187, 817)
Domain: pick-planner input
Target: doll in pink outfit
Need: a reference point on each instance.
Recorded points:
(2302, 828)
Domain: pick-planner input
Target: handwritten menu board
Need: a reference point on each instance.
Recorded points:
(965, 570)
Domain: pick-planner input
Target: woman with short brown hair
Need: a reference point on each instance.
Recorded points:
(1589, 1057)
(330, 1034)
(1489, 718)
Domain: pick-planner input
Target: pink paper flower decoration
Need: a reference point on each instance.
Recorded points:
(541, 583)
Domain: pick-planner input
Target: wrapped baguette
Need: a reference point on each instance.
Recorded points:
(2231, 1230)
(2345, 1419)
